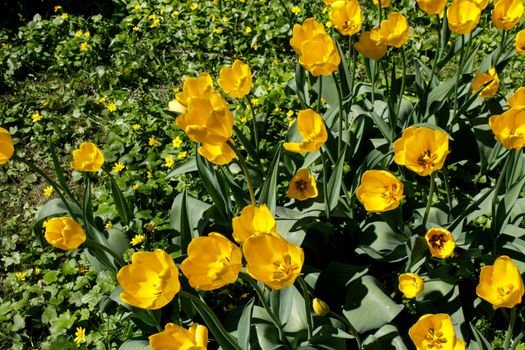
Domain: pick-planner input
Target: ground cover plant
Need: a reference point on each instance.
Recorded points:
(265, 175)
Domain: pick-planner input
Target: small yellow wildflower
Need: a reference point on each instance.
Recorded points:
(225, 19)
(58, 8)
(152, 16)
(37, 271)
(289, 114)
(194, 6)
(137, 7)
(255, 46)
(175, 13)
(150, 227)
(176, 89)
(155, 23)
(244, 119)
(290, 122)
(112, 107)
(213, 18)
(254, 101)
(138, 239)
(5, 45)
(325, 9)
(323, 101)
(36, 117)
(48, 191)
(83, 268)
(182, 154)
(84, 46)
(46, 102)
(78, 33)
(87, 34)
(80, 335)
(149, 174)
(118, 167)
(136, 29)
(176, 142)
(270, 88)
(328, 24)
(217, 30)
(136, 126)
(135, 186)
(248, 30)
(153, 142)
(108, 226)
(168, 162)
(295, 10)
(64, 15)
(277, 109)
(21, 276)
(100, 100)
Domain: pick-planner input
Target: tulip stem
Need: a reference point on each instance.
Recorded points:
(430, 196)
(155, 320)
(340, 98)
(502, 45)
(307, 306)
(325, 187)
(400, 100)
(347, 323)
(254, 124)
(244, 167)
(460, 68)
(438, 55)
(499, 183)
(449, 192)
(93, 244)
(319, 93)
(510, 330)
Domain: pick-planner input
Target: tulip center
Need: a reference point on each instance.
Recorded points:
(390, 194)
(426, 159)
(284, 268)
(435, 339)
(505, 290)
(301, 185)
(437, 241)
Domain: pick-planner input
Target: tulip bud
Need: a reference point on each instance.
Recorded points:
(320, 307)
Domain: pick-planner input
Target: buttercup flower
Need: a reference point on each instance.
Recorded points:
(422, 150)
(312, 128)
(137, 239)
(88, 157)
(320, 307)
(370, 45)
(272, 260)
(520, 42)
(236, 80)
(178, 338)
(463, 16)
(501, 284)
(481, 79)
(64, 233)
(411, 285)
(440, 242)
(150, 281)
(48, 191)
(379, 191)
(384, 3)
(517, 101)
(217, 154)
(394, 30)
(509, 128)
(346, 16)
(433, 332)
(80, 335)
(6, 146)
(252, 221)
(433, 7)
(213, 262)
(302, 185)
(507, 13)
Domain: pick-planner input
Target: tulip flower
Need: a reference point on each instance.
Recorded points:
(422, 150)
(272, 260)
(64, 233)
(302, 186)
(517, 101)
(379, 191)
(433, 332)
(440, 242)
(491, 77)
(507, 13)
(329, 2)
(320, 307)
(432, 7)
(213, 262)
(370, 45)
(463, 16)
(411, 285)
(179, 338)
(509, 128)
(6, 146)
(217, 154)
(312, 128)
(520, 42)
(192, 87)
(88, 158)
(394, 30)
(236, 80)
(305, 32)
(253, 221)
(501, 284)
(346, 16)
(481, 4)
(151, 281)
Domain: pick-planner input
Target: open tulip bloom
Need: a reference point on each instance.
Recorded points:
(312, 128)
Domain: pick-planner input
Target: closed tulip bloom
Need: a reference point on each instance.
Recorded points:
(64, 233)
(520, 42)
(422, 150)
(305, 32)
(440, 242)
(320, 307)
(236, 80)
(320, 55)
(491, 77)
(217, 154)
(202, 86)
(379, 191)
(463, 16)
(213, 262)
(507, 13)
(302, 186)
(151, 281)
(394, 30)
(433, 332)
(6, 146)
(312, 128)
(88, 157)
(272, 260)
(175, 337)
(481, 4)
(501, 284)
(384, 3)
(347, 16)
(433, 7)
(370, 45)
(411, 285)
(509, 128)
(517, 101)
(253, 221)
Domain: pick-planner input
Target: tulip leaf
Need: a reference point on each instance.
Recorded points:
(120, 202)
(482, 342)
(185, 215)
(185, 227)
(242, 198)
(387, 337)
(334, 184)
(135, 345)
(268, 193)
(244, 326)
(87, 209)
(504, 207)
(184, 168)
(59, 171)
(301, 87)
(248, 146)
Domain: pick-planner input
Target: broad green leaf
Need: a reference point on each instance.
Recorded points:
(334, 184)
(385, 338)
(135, 345)
(189, 166)
(194, 213)
(245, 325)
(268, 193)
(120, 202)
(214, 187)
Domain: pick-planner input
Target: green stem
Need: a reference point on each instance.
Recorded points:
(373, 81)
(510, 330)
(93, 244)
(403, 60)
(307, 306)
(501, 47)
(254, 124)
(340, 98)
(449, 193)
(325, 187)
(319, 93)
(347, 323)
(288, 12)
(438, 55)
(499, 183)
(430, 196)
(460, 68)
(244, 167)
(352, 76)
(155, 320)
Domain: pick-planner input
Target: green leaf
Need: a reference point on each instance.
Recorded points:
(481, 341)
(120, 202)
(135, 345)
(192, 214)
(300, 86)
(189, 166)
(87, 209)
(387, 337)
(218, 190)
(268, 193)
(245, 324)
(334, 184)
(504, 207)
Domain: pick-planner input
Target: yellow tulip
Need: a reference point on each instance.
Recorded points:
(509, 128)
(501, 284)
(302, 185)
(312, 128)
(433, 332)
(150, 281)
(218, 154)
(305, 32)
(481, 4)
(329, 2)
(379, 191)
(433, 7)
(370, 45)
(178, 338)
(411, 285)
(384, 3)
(6, 146)
(236, 80)
(460, 344)
(394, 30)
(346, 16)
(481, 79)
(320, 307)
(88, 157)
(440, 242)
(507, 13)
(252, 221)
(64, 233)
(213, 262)
(195, 87)
(517, 101)
(520, 42)
(463, 16)
(272, 260)
(422, 150)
